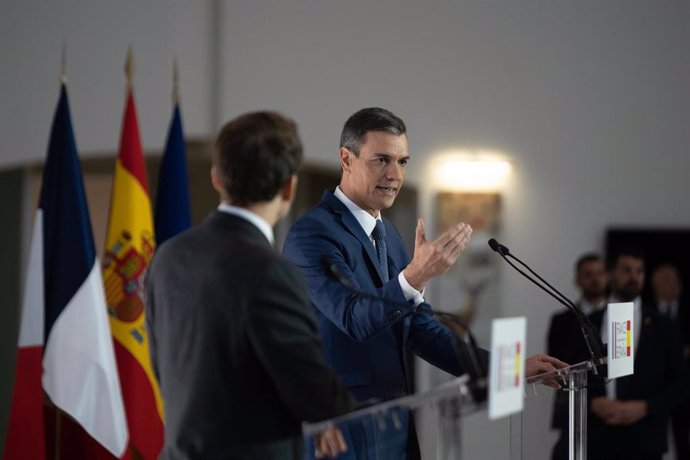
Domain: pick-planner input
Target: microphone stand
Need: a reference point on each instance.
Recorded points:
(465, 345)
(589, 331)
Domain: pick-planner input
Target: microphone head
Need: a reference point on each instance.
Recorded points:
(493, 244)
(330, 269)
(498, 247)
(335, 274)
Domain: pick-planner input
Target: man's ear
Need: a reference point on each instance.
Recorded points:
(216, 181)
(345, 159)
(289, 189)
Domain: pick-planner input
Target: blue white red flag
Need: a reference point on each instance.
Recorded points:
(65, 344)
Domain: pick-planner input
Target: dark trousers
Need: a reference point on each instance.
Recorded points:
(680, 427)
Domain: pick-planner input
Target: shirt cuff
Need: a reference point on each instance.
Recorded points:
(410, 293)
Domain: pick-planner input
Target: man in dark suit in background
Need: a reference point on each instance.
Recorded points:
(234, 343)
(629, 415)
(366, 338)
(668, 288)
(565, 338)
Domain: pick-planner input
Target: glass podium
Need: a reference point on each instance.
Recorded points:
(450, 424)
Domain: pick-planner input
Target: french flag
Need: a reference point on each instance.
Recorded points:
(65, 349)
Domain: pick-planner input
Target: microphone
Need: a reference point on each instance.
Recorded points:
(334, 273)
(465, 345)
(589, 332)
(498, 247)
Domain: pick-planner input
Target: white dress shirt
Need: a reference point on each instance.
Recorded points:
(253, 218)
(589, 308)
(668, 308)
(368, 222)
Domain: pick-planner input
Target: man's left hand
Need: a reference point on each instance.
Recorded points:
(542, 364)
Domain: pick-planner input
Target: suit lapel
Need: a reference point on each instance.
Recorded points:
(350, 223)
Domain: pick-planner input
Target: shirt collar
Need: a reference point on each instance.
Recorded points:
(366, 220)
(253, 218)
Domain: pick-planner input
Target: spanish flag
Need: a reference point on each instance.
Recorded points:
(129, 248)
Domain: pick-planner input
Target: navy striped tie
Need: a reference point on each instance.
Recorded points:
(379, 236)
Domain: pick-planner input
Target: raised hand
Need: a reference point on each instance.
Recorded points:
(433, 258)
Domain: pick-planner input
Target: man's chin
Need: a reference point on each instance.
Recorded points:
(385, 204)
(629, 296)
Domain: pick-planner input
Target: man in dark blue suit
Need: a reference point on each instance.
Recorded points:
(364, 338)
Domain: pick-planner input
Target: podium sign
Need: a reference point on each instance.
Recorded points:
(620, 327)
(507, 366)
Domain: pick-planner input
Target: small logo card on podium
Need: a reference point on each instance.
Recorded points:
(620, 331)
(507, 366)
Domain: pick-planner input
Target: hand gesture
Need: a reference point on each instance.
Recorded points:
(433, 258)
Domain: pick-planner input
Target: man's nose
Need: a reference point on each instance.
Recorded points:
(395, 171)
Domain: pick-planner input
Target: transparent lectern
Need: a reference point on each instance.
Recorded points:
(574, 379)
(441, 415)
(385, 425)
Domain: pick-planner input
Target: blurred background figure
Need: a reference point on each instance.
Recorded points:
(565, 339)
(668, 289)
(629, 416)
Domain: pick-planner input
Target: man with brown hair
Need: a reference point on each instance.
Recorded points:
(234, 343)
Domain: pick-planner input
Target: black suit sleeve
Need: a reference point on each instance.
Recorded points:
(284, 335)
(555, 340)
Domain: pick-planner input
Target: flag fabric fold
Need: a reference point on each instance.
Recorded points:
(129, 248)
(65, 344)
(172, 199)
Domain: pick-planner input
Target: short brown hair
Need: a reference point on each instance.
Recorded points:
(366, 120)
(255, 154)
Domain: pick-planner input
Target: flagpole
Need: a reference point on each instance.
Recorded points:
(58, 412)
(58, 427)
(129, 68)
(63, 64)
(176, 83)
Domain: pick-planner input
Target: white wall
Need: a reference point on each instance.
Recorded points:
(96, 36)
(589, 100)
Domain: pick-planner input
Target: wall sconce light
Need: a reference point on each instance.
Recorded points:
(453, 174)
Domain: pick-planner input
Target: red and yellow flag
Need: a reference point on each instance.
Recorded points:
(129, 248)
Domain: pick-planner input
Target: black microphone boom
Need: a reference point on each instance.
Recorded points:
(589, 331)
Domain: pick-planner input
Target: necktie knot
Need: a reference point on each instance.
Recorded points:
(379, 236)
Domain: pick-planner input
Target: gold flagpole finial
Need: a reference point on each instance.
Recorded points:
(176, 82)
(129, 67)
(63, 64)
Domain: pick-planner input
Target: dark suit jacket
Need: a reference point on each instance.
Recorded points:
(364, 338)
(681, 323)
(235, 346)
(565, 342)
(660, 379)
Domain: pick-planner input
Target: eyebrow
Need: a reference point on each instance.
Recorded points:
(389, 156)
